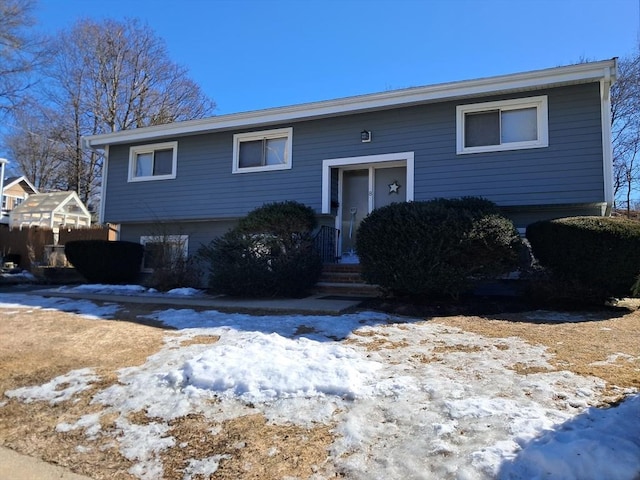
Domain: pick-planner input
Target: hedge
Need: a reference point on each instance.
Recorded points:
(269, 254)
(435, 248)
(596, 257)
(102, 261)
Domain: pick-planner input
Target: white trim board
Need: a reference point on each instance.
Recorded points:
(328, 164)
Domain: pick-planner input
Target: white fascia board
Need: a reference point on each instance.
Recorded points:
(21, 179)
(580, 73)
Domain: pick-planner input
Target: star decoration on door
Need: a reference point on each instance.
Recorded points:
(394, 188)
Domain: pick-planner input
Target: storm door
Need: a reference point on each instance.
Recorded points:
(364, 188)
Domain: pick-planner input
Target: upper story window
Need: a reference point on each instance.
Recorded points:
(266, 150)
(503, 125)
(153, 162)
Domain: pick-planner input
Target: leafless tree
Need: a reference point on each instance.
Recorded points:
(625, 126)
(108, 76)
(21, 52)
(35, 147)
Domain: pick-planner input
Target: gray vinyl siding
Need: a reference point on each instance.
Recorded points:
(569, 171)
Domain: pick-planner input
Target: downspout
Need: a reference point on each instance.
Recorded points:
(606, 82)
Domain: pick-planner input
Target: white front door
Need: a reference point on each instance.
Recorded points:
(362, 189)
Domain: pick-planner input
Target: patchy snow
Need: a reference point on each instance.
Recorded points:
(106, 289)
(21, 276)
(614, 358)
(14, 303)
(185, 292)
(407, 398)
(205, 467)
(58, 390)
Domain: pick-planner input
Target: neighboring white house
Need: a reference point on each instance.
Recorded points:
(53, 210)
(14, 192)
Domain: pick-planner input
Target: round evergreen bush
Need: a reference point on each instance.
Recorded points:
(269, 254)
(103, 261)
(594, 258)
(435, 248)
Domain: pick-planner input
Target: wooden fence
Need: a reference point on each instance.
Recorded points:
(26, 246)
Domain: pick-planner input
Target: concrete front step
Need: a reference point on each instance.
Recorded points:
(342, 267)
(346, 289)
(345, 280)
(341, 277)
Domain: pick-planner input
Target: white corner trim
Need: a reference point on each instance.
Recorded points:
(607, 147)
(103, 186)
(328, 164)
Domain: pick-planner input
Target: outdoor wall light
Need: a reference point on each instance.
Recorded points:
(365, 136)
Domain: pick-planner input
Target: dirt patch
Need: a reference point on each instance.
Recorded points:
(584, 347)
(248, 448)
(38, 345)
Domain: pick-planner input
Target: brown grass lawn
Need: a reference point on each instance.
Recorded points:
(38, 345)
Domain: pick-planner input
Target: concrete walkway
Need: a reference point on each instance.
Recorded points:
(316, 304)
(15, 466)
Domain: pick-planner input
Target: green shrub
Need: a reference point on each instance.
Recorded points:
(435, 248)
(593, 258)
(102, 261)
(269, 254)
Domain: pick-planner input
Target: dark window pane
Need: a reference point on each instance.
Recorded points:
(482, 129)
(163, 162)
(250, 154)
(153, 255)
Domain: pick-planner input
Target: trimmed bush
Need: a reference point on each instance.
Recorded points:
(435, 248)
(269, 254)
(102, 261)
(593, 258)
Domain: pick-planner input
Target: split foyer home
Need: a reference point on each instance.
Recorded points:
(536, 143)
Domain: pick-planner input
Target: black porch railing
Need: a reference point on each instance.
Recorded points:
(325, 243)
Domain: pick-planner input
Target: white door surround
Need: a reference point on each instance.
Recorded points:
(367, 161)
(367, 166)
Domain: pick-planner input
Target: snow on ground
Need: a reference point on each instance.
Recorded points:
(83, 307)
(409, 399)
(127, 290)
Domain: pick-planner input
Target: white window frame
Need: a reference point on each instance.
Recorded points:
(176, 239)
(238, 138)
(542, 109)
(141, 149)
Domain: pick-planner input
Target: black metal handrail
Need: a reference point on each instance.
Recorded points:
(325, 243)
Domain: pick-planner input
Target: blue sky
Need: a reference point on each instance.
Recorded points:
(254, 54)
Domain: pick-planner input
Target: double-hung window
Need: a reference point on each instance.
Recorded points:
(153, 162)
(504, 125)
(265, 150)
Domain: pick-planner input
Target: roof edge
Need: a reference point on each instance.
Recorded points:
(19, 179)
(556, 76)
